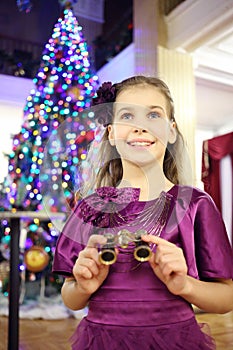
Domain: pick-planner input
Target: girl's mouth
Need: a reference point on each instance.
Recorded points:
(140, 143)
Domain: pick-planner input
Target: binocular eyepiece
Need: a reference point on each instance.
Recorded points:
(107, 253)
(142, 251)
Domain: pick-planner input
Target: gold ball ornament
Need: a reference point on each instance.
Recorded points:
(36, 259)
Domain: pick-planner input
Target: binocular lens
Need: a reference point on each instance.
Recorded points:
(107, 256)
(142, 253)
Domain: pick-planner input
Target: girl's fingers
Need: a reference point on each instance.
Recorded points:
(168, 258)
(83, 272)
(156, 240)
(90, 264)
(89, 253)
(96, 240)
(87, 265)
(85, 268)
(91, 250)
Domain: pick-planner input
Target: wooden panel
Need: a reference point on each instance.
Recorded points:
(176, 69)
(53, 335)
(145, 36)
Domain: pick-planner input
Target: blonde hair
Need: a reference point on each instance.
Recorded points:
(103, 166)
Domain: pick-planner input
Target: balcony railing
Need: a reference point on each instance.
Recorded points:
(19, 57)
(110, 44)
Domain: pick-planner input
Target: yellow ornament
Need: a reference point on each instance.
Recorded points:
(36, 259)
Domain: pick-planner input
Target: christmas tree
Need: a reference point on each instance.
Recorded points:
(64, 86)
(53, 139)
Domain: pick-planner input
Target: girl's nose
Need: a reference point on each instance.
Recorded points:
(139, 130)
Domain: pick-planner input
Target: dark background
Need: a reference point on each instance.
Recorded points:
(20, 30)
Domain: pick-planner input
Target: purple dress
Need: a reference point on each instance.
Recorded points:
(133, 309)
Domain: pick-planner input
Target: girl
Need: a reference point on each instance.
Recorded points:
(136, 304)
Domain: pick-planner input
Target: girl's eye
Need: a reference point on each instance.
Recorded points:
(153, 115)
(127, 116)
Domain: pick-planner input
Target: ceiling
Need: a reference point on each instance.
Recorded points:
(205, 30)
(214, 76)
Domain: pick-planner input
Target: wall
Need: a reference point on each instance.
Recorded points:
(120, 67)
(13, 94)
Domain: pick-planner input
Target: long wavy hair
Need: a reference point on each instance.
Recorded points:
(103, 166)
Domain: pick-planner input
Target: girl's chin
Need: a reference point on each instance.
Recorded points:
(140, 160)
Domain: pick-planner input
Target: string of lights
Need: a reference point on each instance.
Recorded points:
(57, 126)
(64, 86)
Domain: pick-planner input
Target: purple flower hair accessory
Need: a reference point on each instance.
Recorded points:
(105, 94)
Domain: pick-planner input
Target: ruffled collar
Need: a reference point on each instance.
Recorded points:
(118, 195)
(110, 206)
(99, 207)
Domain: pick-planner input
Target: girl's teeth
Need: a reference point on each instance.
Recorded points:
(140, 143)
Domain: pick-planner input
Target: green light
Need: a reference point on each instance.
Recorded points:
(25, 149)
(33, 227)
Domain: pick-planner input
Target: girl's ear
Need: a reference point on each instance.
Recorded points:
(172, 133)
(111, 138)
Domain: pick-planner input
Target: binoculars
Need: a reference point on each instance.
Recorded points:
(142, 251)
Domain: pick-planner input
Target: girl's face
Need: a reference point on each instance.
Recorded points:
(141, 127)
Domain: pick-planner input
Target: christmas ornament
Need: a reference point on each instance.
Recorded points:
(36, 259)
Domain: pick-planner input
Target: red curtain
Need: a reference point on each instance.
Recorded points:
(213, 151)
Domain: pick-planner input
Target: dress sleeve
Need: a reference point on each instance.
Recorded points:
(214, 254)
(71, 241)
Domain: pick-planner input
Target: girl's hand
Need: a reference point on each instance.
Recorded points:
(168, 264)
(88, 271)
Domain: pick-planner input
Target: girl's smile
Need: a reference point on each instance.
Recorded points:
(140, 143)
